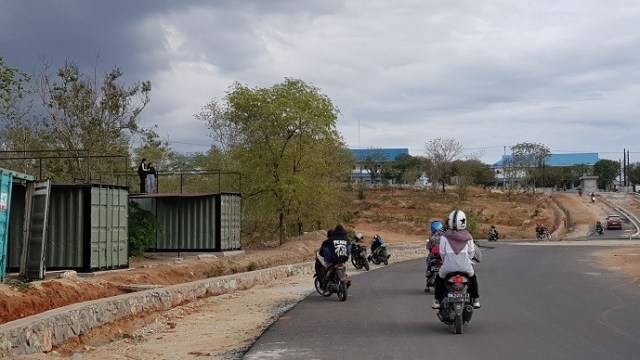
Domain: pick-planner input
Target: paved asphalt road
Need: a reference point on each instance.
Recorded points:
(539, 302)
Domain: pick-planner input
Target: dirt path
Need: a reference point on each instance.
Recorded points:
(582, 213)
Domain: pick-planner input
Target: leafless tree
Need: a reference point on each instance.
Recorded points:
(442, 153)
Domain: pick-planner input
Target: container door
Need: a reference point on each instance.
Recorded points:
(34, 244)
(6, 181)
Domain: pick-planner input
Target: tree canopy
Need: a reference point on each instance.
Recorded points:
(284, 141)
(607, 171)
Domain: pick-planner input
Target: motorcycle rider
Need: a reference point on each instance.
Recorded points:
(357, 240)
(540, 229)
(493, 232)
(375, 245)
(437, 229)
(599, 227)
(334, 250)
(457, 249)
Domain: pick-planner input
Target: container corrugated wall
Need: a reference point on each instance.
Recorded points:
(184, 223)
(230, 221)
(16, 226)
(109, 227)
(66, 229)
(87, 228)
(6, 184)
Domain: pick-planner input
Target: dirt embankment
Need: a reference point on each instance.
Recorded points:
(408, 212)
(21, 301)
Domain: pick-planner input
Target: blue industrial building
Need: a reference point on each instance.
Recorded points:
(375, 157)
(552, 160)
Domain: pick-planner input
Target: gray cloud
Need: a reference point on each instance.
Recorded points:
(489, 73)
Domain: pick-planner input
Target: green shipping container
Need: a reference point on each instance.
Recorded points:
(87, 228)
(194, 221)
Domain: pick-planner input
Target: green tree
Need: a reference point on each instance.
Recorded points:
(284, 141)
(85, 114)
(606, 171)
(634, 173)
(12, 91)
(405, 169)
(155, 149)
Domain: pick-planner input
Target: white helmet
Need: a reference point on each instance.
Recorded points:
(457, 220)
(359, 236)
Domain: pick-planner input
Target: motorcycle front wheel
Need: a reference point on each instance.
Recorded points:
(342, 291)
(366, 265)
(356, 263)
(319, 289)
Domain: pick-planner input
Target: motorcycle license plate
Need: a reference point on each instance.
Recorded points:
(458, 297)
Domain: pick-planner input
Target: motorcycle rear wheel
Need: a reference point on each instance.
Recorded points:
(458, 324)
(342, 292)
(318, 286)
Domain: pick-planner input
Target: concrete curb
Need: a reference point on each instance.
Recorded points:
(41, 332)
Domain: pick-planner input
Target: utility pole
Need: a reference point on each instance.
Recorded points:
(629, 169)
(624, 167)
(620, 167)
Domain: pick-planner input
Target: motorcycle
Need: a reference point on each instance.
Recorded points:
(380, 255)
(359, 257)
(543, 235)
(599, 230)
(456, 308)
(434, 262)
(492, 236)
(338, 283)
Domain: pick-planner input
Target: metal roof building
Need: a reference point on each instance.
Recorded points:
(380, 154)
(557, 160)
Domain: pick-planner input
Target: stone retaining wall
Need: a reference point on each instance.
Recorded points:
(41, 332)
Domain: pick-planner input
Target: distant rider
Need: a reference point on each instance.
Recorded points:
(457, 249)
(357, 240)
(334, 250)
(437, 229)
(376, 244)
(493, 232)
(540, 229)
(599, 227)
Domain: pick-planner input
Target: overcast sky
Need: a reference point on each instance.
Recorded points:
(490, 73)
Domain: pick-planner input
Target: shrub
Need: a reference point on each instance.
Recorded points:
(215, 270)
(142, 229)
(252, 266)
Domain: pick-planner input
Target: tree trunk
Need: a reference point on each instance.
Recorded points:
(443, 186)
(281, 228)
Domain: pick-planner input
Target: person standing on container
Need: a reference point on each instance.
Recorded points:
(151, 178)
(143, 170)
